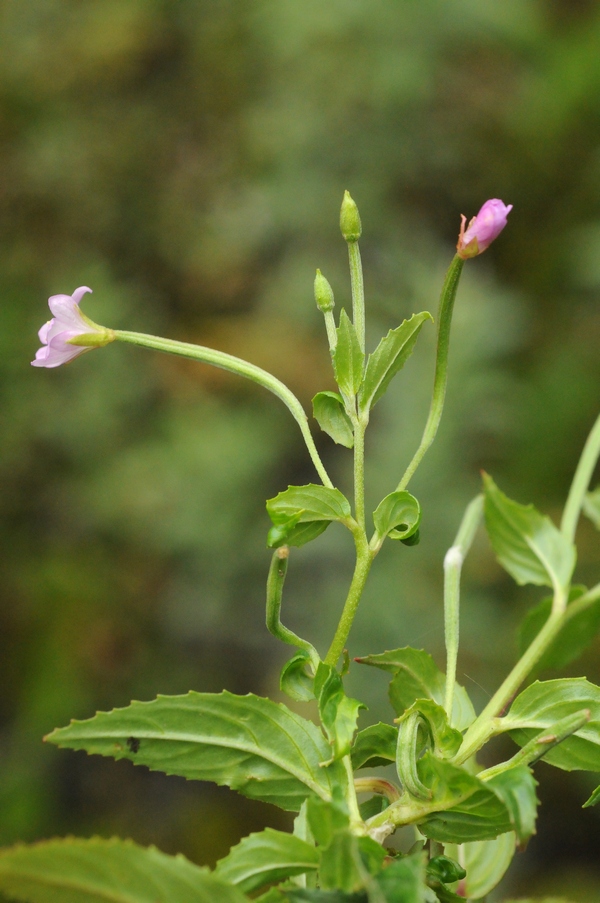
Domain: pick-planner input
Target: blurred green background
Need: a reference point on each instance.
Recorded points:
(186, 159)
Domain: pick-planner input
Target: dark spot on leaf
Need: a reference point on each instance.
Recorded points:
(133, 743)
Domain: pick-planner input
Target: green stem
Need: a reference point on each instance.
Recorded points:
(356, 820)
(364, 559)
(453, 563)
(331, 329)
(275, 582)
(241, 368)
(358, 292)
(359, 473)
(441, 367)
(581, 481)
(485, 725)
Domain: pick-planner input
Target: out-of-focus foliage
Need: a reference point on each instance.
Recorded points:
(187, 160)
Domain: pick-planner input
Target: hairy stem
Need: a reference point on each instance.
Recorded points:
(581, 482)
(441, 367)
(359, 473)
(241, 368)
(364, 559)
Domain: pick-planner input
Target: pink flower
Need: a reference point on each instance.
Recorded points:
(69, 333)
(483, 228)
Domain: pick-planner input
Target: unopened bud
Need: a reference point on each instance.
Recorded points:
(483, 228)
(350, 219)
(323, 293)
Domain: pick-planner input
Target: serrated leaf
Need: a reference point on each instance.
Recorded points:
(543, 704)
(446, 739)
(486, 863)
(310, 503)
(388, 358)
(594, 798)
(398, 515)
(330, 414)
(516, 788)
(527, 544)
(294, 681)
(416, 676)
(577, 634)
(339, 713)
(266, 857)
(106, 871)
(374, 746)
(348, 358)
(591, 506)
(248, 743)
(465, 808)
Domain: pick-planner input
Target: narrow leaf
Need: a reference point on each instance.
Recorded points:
(398, 515)
(106, 871)
(311, 503)
(329, 412)
(516, 788)
(416, 676)
(388, 358)
(594, 798)
(348, 358)
(527, 543)
(375, 746)
(248, 743)
(577, 634)
(266, 857)
(543, 704)
(486, 863)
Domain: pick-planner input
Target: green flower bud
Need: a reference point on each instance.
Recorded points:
(350, 219)
(323, 293)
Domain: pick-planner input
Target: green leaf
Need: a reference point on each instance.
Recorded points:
(544, 703)
(330, 413)
(375, 746)
(341, 864)
(485, 861)
(106, 871)
(404, 880)
(294, 681)
(325, 818)
(444, 870)
(301, 895)
(398, 515)
(348, 358)
(526, 543)
(591, 506)
(311, 503)
(293, 533)
(416, 676)
(339, 713)
(516, 788)
(388, 358)
(574, 638)
(250, 744)
(465, 807)
(266, 857)
(594, 798)
(446, 740)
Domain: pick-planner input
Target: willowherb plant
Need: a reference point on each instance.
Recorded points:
(467, 822)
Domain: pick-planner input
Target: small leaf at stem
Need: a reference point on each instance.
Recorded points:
(375, 746)
(248, 743)
(311, 503)
(527, 544)
(398, 516)
(485, 861)
(576, 635)
(416, 676)
(446, 740)
(516, 787)
(329, 412)
(97, 871)
(266, 857)
(348, 357)
(294, 681)
(339, 713)
(545, 703)
(388, 358)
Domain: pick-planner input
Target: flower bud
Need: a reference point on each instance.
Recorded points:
(323, 293)
(350, 219)
(483, 228)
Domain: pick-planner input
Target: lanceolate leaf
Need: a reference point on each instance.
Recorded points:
(485, 862)
(250, 744)
(577, 634)
(311, 502)
(375, 746)
(329, 412)
(516, 787)
(543, 704)
(398, 515)
(593, 800)
(107, 871)
(468, 808)
(266, 857)
(526, 543)
(416, 676)
(388, 358)
(348, 359)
